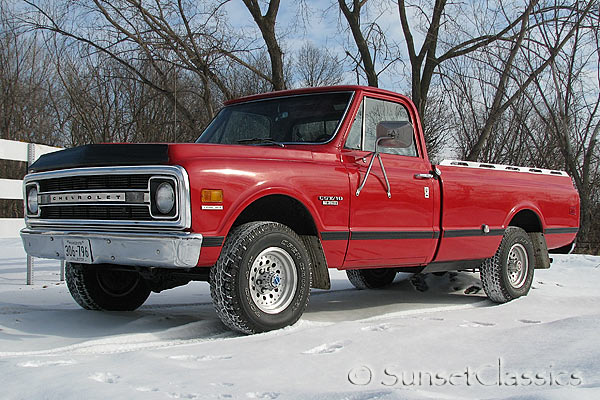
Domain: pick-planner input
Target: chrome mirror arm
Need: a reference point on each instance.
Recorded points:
(374, 155)
(362, 185)
(387, 182)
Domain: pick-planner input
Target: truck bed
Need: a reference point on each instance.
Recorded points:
(475, 195)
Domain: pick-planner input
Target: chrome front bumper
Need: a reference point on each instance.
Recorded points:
(168, 250)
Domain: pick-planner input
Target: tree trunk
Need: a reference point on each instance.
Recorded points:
(266, 25)
(353, 18)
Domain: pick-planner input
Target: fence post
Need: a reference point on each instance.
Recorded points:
(30, 160)
(29, 270)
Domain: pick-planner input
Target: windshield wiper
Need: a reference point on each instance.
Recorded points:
(261, 141)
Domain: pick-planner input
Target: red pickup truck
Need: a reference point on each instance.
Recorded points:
(276, 190)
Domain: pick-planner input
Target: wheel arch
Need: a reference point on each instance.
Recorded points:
(528, 220)
(289, 211)
(281, 208)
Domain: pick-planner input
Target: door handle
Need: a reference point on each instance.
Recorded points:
(423, 176)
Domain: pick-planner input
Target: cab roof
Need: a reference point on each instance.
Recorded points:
(323, 89)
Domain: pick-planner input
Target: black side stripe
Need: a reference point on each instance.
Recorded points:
(551, 231)
(393, 235)
(454, 233)
(343, 235)
(212, 241)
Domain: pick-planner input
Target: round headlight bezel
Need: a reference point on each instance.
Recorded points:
(33, 206)
(164, 198)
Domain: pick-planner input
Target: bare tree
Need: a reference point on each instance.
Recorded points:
(569, 24)
(503, 71)
(353, 18)
(25, 85)
(104, 102)
(183, 35)
(317, 67)
(266, 25)
(498, 107)
(437, 124)
(457, 41)
(376, 51)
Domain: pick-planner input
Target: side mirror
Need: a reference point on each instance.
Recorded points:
(396, 134)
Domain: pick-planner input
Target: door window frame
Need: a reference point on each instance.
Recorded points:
(409, 113)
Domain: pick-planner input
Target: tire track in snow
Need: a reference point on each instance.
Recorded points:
(403, 313)
(197, 332)
(174, 305)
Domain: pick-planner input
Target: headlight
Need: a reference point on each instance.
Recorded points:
(32, 200)
(165, 198)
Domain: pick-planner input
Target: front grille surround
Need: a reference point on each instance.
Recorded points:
(81, 198)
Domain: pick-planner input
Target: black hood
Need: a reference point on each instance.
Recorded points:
(103, 155)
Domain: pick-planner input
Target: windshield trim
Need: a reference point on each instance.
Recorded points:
(336, 131)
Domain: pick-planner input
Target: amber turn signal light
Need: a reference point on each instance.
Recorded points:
(212, 195)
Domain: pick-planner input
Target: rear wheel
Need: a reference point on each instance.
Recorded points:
(509, 273)
(262, 279)
(371, 278)
(104, 288)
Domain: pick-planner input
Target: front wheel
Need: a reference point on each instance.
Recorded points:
(105, 288)
(509, 273)
(262, 279)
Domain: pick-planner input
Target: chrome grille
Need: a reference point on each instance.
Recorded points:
(94, 184)
(108, 196)
(107, 212)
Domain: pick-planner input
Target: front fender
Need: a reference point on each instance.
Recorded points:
(245, 181)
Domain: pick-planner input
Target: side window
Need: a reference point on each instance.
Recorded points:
(379, 111)
(355, 136)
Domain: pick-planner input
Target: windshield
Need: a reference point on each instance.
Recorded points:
(312, 118)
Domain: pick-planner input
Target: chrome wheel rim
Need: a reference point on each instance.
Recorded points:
(518, 265)
(273, 280)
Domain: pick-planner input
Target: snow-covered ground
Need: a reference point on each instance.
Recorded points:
(400, 342)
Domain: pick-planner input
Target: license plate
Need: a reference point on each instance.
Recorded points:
(78, 250)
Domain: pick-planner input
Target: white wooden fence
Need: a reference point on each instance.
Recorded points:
(12, 189)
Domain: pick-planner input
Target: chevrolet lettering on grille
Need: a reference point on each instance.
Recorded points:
(83, 198)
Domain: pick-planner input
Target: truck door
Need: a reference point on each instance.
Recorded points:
(396, 230)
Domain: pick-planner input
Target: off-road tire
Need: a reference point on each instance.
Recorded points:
(371, 278)
(229, 277)
(100, 288)
(495, 274)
